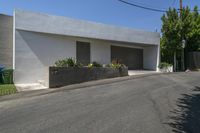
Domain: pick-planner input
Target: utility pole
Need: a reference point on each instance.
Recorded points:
(182, 40)
(181, 7)
(182, 53)
(182, 60)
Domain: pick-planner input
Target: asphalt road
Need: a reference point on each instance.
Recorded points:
(153, 104)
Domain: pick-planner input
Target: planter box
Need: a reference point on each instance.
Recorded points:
(61, 76)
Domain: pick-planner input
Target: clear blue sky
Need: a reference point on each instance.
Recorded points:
(104, 11)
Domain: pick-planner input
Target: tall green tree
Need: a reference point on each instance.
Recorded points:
(176, 28)
(171, 36)
(193, 37)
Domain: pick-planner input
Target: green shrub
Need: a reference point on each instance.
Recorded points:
(61, 63)
(78, 64)
(71, 62)
(94, 64)
(164, 65)
(116, 63)
(68, 62)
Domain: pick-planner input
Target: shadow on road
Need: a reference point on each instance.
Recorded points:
(186, 119)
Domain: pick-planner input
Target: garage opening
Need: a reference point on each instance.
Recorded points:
(131, 57)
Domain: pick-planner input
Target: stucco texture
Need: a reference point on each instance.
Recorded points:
(6, 41)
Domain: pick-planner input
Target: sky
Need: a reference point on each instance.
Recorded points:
(104, 11)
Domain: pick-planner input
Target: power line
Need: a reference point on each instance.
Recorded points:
(143, 7)
(147, 8)
(141, 3)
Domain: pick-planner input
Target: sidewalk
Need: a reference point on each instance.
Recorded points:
(140, 72)
(33, 93)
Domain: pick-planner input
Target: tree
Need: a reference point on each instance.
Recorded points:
(171, 36)
(176, 28)
(193, 37)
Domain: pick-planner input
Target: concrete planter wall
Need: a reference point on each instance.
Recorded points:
(61, 76)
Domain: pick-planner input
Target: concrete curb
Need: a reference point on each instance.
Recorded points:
(28, 94)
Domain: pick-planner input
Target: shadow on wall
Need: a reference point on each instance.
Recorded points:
(186, 119)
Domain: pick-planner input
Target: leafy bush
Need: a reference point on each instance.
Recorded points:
(164, 65)
(68, 62)
(116, 61)
(78, 64)
(94, 64)
(61, 63)
(116, 64)
(71, 62)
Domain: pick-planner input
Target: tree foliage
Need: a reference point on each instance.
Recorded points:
(175, 28)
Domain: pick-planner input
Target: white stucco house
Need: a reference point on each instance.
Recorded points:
(40, 39)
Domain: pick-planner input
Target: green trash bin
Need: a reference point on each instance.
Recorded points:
(1, 78)
(7, 75)
(1, 71)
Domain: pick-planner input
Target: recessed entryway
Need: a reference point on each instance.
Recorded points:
(131, 57)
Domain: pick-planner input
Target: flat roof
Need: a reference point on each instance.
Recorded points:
(44, 23)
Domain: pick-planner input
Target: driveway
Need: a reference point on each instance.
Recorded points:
(140, 72)
(164, 103)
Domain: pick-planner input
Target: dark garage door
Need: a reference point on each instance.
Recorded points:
(131, 57)
(83, 52)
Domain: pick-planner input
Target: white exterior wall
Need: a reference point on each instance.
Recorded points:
(151, 58)
(100, 52)
(35, 52)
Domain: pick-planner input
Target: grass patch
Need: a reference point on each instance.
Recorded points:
(7, 89)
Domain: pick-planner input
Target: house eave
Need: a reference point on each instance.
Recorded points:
(43, 23)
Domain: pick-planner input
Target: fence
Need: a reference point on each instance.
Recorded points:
(193, 60)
